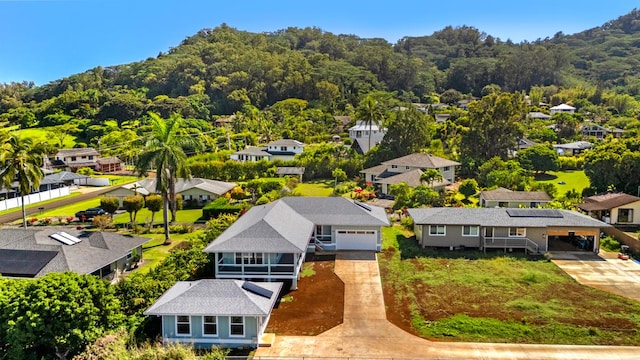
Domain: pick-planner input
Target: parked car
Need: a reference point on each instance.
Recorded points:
(90, 213)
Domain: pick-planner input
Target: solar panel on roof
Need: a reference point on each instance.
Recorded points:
(69, 236)
(62, 239)
(534, 213)
(25, 263)
(258, 290)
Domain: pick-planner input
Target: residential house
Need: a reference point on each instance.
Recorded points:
(442, 117)
(32, 253)
(194, 191)
(284, 149)
(73, 159)
(270, 241)
(290, 171)
(224, 121)
(572, 149)
(600, 132)
(408, 169)
(342, 121)
(534, 230)
(206, 313)
(506, 198)
(359, 135)
(562, 108)
(110, 164)
(613, 208)
(536, 115)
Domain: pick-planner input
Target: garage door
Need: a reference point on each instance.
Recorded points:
(356, 239)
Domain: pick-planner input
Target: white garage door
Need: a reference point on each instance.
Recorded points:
(356, 239)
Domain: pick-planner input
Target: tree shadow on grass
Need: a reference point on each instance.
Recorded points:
(545, 177)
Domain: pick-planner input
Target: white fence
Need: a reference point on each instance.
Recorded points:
(34, 198)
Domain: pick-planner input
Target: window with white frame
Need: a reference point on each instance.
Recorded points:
(437, 230)
(517, 232)
(183, 325)
(236, 326)
(488, 232)
(470, 230)
(209, 326)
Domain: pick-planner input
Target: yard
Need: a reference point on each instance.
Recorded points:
(315, 188)
(565, 180)
(315, 307)
(467, 296)
(154, 251)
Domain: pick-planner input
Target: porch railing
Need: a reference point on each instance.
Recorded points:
(510, 243)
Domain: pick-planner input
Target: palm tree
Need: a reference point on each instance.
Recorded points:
(430, 175)
(371, 113)
(164, 151)
(21, 160)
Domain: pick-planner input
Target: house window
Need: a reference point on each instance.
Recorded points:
(407, 167)
(83, 157)
(469, 230)
(249, 258)
(236, 326)
(283, 148)
(209, 326)
(90, 157)
(73, 158)
(446, 168)
(358, 133)
(625, 215)
(437, 230)
(503, 204)
(517, 232)
(533, 204)
(394, 166)
(183, 325)
(488, 232)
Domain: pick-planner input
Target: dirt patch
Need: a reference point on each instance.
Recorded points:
(317, 305)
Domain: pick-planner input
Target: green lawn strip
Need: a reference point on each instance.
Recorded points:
(315, 188)
(154, 251)
(188, 216)
(118, 179)
(43, 134)
(467, 296)
(41, 203)
(572, 179)
(67, 210)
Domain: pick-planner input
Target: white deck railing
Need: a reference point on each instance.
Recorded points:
(510, 243)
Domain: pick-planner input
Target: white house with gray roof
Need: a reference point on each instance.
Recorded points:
(226, 313)
(270, 241)
(535, 230)
(284, 149)
(33, 253)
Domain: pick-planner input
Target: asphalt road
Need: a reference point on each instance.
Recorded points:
(17, 214)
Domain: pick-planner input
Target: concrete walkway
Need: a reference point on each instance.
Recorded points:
(604, 272)
(366, 334)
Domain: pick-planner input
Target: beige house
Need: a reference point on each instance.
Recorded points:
(532, 230)
(613, 208)
(284, 149)
(73, 159)
(408, 169)
(506, 198)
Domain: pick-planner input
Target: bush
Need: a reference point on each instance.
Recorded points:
(264, 199)
(103, 222)
(608, 243)
(180, 229)
(221, 206)
(407, 223)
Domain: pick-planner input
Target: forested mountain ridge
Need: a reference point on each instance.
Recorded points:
(232, 67)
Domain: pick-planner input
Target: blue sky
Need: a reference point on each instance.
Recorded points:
(45, 40)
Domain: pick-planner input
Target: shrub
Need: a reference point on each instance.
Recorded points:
(109, 204)
(103, 222)
(221, 206)
(609, 244)
(85, 171)
(180, 229)
(264, 199)
(407, 223)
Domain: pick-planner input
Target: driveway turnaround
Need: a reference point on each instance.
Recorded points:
(366, 334)
(605, 272)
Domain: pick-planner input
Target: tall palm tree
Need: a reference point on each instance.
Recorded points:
(371, 113)
(164, 151)
(21, 159)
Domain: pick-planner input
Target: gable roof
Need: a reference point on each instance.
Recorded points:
(336, 210)
(148, 186)
(109, 160)
(361, 145)
(421, 160)
(502, 194)
(500, 217)
(77, 152)
(61, 177)
(538, 115)
(254, 151)
(577, 145)
(607, 201)
(215, 297)
(377, 170)
(97, 249)
(272, 228)
(411, 178)
(363, 126)
(286, 142)
(563, 107)
(289, 170)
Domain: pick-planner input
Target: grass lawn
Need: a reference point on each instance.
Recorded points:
(468, 296)
(68, 210)
(43, 134)
(154, 251)
(315, 188)
(188, 216)
(117, 179)
(566, 180)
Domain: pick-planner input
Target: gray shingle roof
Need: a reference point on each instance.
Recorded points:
(498, 218)
(286, 142)
(97, 249)
(211, 186)
(270, 228)
(289, 170)
(421, 160)
(578, 145)
(253, 150)
(411, 178)
(336, 211)
(215, 298)
(61, 177)
(502, 194)
(77, 152)
(377, 170)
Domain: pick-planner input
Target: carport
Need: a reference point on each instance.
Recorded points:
(573, 240)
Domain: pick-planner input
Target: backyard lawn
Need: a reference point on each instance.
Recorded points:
(468, 296)
(187, 216)
(43, 134)
(315, 188)
(154, 251)
(566, 180)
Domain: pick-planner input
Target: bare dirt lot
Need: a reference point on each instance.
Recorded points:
(315, 307)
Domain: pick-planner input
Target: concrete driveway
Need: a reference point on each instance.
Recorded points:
(366, 334)
(604, 271)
